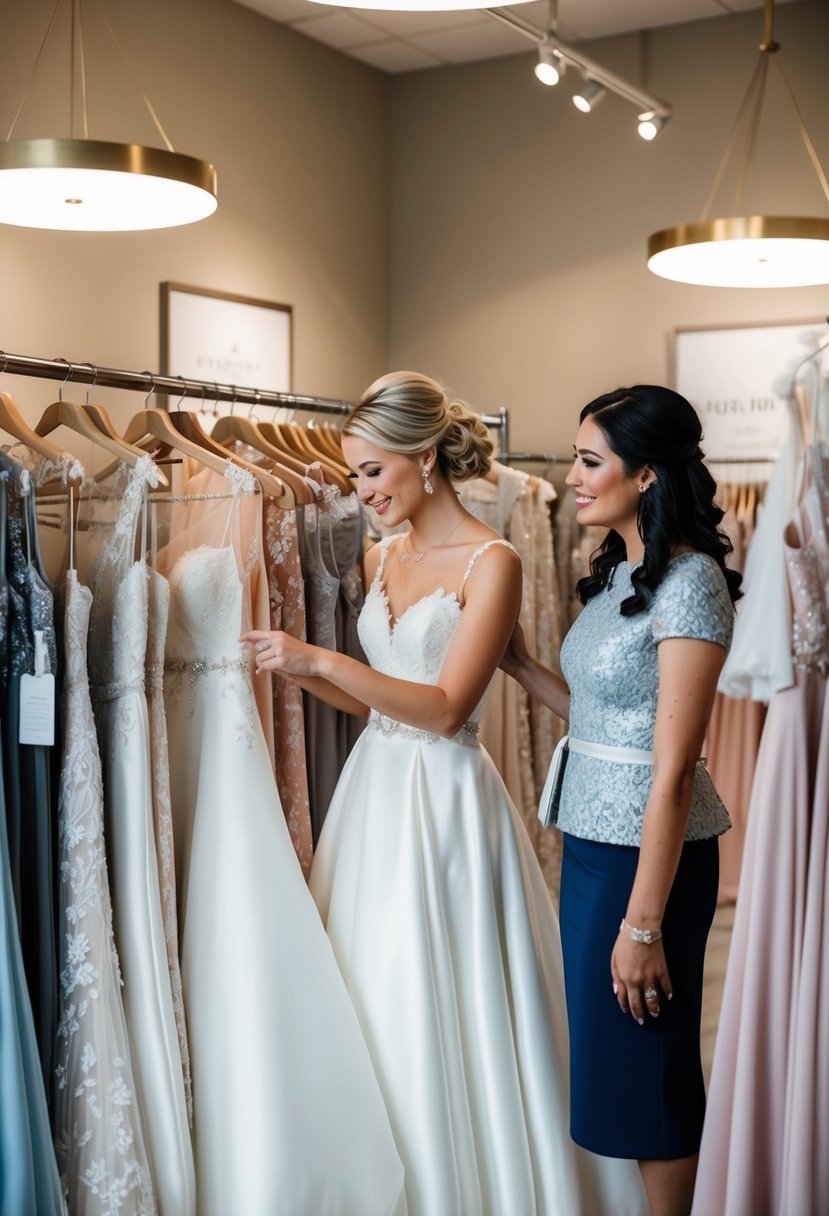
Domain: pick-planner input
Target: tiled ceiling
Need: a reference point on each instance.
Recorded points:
(407, 41)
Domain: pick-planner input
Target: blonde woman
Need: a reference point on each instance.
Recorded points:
(424, 876)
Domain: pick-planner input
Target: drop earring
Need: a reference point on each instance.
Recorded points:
(427, 485)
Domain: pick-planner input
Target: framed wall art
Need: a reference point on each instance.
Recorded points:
(738, 377)
(232, 339)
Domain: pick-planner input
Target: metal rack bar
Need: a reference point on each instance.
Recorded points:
(170, 386)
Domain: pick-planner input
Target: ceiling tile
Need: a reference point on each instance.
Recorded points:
(395, 56)
(280, 10)
(481, 41)
(337, 27)
(402, 24)
(406, 41)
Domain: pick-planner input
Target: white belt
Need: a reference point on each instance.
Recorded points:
(601, 751)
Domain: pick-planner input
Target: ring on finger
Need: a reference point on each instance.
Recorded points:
(261, 645)
(651, 994)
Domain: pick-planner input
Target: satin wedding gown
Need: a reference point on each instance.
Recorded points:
(288, 1116)
(447, 938)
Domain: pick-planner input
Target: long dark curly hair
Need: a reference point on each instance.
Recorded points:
(648, 425)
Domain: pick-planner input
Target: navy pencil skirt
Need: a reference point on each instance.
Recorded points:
(635, 1091)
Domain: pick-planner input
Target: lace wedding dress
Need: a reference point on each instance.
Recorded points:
(446, 936)
(118, 625)
(28, 1172)
(288, 1116)
(98, 1134)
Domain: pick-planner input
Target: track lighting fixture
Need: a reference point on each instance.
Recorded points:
(589, 97)
(550, 66)
(554, 56)
(650, 125)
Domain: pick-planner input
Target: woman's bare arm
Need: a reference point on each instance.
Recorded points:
(493, 599)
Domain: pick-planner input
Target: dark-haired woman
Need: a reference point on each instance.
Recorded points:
(639, 813)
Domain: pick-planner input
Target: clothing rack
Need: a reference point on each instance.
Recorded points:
(147, 382)
(170, 386)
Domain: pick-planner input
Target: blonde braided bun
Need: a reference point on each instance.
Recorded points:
(409, 412)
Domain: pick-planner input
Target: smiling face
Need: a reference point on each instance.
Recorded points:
(391, 483)
(606, 495)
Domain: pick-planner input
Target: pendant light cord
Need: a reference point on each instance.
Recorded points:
(77, 14)
(748, 117)
(147, 103)
(804, 134)
(34, 69)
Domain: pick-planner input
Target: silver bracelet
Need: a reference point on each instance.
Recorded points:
(646, 936)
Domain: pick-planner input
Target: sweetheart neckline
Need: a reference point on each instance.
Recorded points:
(393, 622)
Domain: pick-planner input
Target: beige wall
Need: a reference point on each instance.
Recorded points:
(519, 225)
(465, 220)
(299, 136)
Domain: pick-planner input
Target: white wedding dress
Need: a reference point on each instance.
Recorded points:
(288, 1116)
(449, 944)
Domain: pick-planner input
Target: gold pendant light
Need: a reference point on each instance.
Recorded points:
(88, 185)
(749, 250)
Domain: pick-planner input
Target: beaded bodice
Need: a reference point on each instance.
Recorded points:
(415, 646)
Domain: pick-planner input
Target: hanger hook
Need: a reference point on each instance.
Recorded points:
(184, 393)
(151, 389)
(233, 399)
(68, 377)
(257, 396)
(94, 371)
(216, 399)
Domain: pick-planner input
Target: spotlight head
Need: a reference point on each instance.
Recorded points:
(589, 97)
(550, 67)
(650, 124)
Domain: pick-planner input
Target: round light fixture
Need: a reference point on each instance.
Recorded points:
(417, 6)
(589, 97)
(748, 250)
(86, 185)
(744, 251)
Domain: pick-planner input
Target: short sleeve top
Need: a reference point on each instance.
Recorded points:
(610, 664)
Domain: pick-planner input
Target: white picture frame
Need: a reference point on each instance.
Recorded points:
(738, 377)
(226, 338)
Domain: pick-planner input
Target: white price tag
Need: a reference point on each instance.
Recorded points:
(37, 709)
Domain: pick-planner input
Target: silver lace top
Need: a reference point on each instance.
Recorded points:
(610, 664)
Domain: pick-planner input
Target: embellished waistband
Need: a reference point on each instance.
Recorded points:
(467, 735)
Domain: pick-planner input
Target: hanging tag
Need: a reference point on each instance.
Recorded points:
(37, 700)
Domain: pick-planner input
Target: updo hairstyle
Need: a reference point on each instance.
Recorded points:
(409, 412)
(648, 425)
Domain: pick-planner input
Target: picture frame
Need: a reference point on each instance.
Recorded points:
(738, 378)
(227, 338)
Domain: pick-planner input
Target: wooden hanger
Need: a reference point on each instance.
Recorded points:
(230, 428)
(181, 431)
(294, 437)
(94, 425)
(315, 437)
(14, 424)
(329, 437)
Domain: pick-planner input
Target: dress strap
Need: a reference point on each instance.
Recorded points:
(489, 545)
(385, 545)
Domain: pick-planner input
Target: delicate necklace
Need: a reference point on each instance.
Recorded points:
(419, 554)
